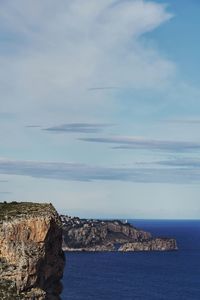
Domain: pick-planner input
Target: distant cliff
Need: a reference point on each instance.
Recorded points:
(109, 235)
(157, 244)
(31, 258)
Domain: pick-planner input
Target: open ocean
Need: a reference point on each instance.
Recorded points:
(139, 275)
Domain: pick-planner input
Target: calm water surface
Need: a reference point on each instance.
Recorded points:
(139, 275)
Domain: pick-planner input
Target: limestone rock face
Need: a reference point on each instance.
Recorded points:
(157, 244)
(31, 257)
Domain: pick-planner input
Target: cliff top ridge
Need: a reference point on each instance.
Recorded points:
(10, 210)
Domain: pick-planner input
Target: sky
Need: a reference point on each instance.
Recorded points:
(100, 106)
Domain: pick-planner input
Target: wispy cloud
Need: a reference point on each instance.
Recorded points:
(81, 172)
(77, 127)
(124, 142)
(33, 126)
(56, 51)
(181, 162)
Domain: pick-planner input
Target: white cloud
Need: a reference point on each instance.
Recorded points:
(54, 51)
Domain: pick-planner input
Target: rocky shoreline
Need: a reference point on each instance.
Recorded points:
(110, 235)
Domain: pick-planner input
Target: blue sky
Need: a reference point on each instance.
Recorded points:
(100, 106)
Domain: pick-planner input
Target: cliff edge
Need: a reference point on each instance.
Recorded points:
(31, 256)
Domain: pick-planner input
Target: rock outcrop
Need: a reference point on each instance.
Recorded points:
(157, 244)
(31, 256)
(109, 235)
(98, 235)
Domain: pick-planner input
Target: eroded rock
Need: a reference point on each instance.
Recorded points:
(31, 257)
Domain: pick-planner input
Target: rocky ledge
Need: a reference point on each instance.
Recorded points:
(31, 256)
(109, 235)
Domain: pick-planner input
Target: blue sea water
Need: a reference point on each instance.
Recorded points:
(139, 275)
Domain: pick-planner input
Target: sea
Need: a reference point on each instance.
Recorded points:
(139, 275)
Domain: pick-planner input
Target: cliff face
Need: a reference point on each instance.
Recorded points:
(31, 258)
(157, 244)
(97, 235)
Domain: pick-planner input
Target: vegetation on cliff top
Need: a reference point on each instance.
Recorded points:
(19, 209)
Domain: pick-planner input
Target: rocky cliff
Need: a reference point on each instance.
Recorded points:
(157, 244)
(109, 235)
(31, 257)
